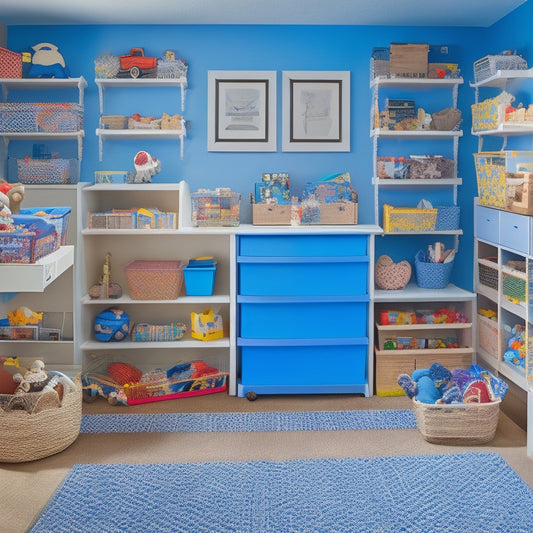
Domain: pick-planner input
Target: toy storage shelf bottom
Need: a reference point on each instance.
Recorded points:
(299, 366)
(391, 363)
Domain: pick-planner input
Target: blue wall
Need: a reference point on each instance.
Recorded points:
(268, 48)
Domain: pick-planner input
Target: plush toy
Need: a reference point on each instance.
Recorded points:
(24, 316)
(437, 385)
(112, 324)
(516, 347)
(36, 379)
(6, 219)
(145, 167)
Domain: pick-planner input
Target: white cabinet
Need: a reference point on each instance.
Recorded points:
(126, 245)
(57, 86)
(173, 134)
(46, 286)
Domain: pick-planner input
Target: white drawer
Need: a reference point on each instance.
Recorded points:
(514, 231)
(487, 224)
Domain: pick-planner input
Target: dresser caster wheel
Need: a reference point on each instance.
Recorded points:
(251, 396)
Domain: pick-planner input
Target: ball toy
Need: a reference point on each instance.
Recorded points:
(111, 325)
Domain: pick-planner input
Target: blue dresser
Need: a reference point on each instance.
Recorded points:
(303, 313)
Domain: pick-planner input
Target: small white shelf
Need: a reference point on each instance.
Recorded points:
(432, 83)
(182, 300)
(390, 182)
(413, 293)
(35, 277)
(131, 345)
(43, 83)
(501, 78)
(415, 134)
(507, 129)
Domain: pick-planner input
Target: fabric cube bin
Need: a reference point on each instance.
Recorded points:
(199, 281)
(303, 278)
(303, 365)
(298, 318)
(154, 280)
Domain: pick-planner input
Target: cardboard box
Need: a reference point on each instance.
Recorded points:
(271, 214)
(409, 60)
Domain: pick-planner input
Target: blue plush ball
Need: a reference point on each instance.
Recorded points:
(111, 325)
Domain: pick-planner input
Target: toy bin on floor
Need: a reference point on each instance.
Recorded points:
(154, 280)
(457, 424)
(43, 427)
(199, 281)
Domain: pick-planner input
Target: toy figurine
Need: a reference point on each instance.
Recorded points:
(105, 289)
(145, 167)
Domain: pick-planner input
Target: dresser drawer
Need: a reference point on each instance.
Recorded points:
(302, 278)
(304, 365)
(514, 231)
(487, 224)
(300, 319)
(330, 245)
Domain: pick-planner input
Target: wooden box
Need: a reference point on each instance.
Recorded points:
(335, 213)
(409, 60)
(519, 192)
(271, 214)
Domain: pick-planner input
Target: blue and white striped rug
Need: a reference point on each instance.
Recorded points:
(248, 422)
(457, 493)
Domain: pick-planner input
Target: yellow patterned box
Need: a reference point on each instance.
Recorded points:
(397, 219)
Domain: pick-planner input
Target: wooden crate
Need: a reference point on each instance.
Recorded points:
(391, 363)
(409, 60)
(271, 214)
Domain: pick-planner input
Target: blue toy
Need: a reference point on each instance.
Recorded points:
(47, 62)
(111, 325)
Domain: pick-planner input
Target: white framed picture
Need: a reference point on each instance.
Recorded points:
(241, 111)
(316, 111)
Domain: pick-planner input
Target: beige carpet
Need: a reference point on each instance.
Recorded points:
(26, 487)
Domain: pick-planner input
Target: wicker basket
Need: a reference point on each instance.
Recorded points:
(390, 275)
(28, 437)
(10, 64)
(460, 424)
(432, 275)
(408, 219)
(154, 280)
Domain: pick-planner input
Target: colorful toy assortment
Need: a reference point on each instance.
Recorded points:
(516, 346)
(437, 385)
(440, 316)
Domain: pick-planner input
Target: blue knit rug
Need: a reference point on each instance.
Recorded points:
(462, 493)
(232, 422)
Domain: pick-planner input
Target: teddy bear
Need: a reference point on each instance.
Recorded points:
(6, 218)
(37, 379)
(14, 193)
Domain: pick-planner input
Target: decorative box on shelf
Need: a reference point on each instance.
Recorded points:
(215, 208)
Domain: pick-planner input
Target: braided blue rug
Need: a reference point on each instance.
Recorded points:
(233, 422)
(457, 493)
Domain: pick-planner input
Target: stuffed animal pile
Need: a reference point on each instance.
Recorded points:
(437, 385)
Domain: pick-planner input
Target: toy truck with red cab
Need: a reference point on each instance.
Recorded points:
(137, 65)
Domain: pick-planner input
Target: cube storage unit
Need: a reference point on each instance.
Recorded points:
(303, 305)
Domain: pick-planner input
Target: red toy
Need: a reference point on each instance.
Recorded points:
(137, 65)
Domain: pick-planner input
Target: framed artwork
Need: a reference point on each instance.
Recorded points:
(316, 111)
(241, 111)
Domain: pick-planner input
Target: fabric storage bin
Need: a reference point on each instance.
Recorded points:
(57, 216)
(303, 278)
(199, 281)
(289, 318)
(397, 219)
(493, 169)
(335, 245)
(10, 64)
(487, 274)
(393, 167)
(44, 171)
(431, 167)
(489, 65)
(154, 280)
(459, 424)
(488, 336)
(432, 275)
(447, 218)
(40, 117)
(308, 365)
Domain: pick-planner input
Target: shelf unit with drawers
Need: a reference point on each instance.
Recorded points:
(304, 310)
(503, 274)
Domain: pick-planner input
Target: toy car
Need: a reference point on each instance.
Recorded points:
(137, 65)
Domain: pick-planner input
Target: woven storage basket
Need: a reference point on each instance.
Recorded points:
(460, 424)
(154, 280)
(432, 275)
(487, 331)
(488, 66)
(28, 437)
(10, 64)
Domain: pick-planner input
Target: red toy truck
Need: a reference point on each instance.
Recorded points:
(137, 65)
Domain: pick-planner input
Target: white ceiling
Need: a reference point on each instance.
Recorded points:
(481, 13)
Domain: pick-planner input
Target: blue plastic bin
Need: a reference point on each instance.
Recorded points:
(199, 281)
